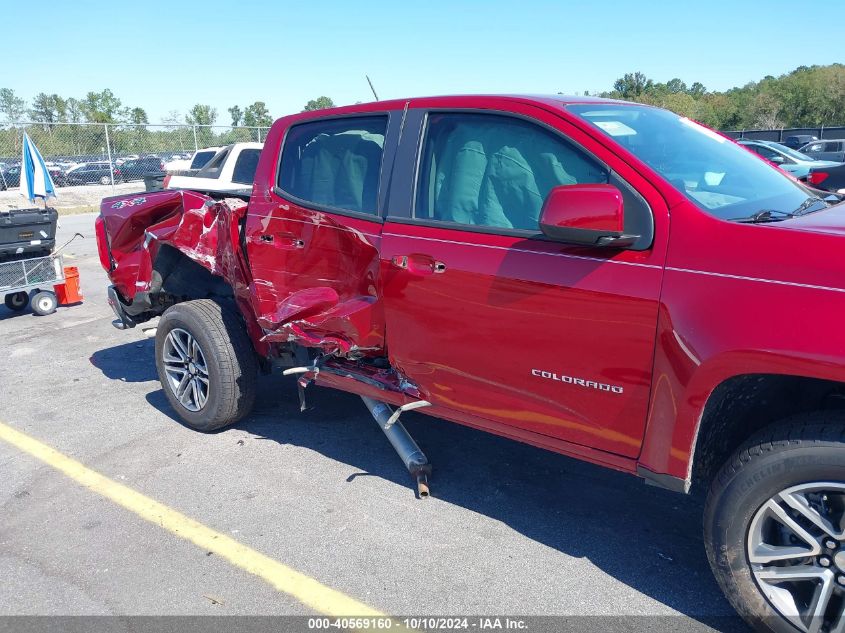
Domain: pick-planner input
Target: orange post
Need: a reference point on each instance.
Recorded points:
(68, 292)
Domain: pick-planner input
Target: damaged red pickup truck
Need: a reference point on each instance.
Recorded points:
(603, 279)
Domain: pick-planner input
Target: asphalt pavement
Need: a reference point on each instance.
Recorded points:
(509, 529)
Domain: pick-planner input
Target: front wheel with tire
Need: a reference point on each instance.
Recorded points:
(16, 301)
(44, 302)
(774, 526)
(206, 364)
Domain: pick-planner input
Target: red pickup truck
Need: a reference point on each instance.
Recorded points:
(603, 279)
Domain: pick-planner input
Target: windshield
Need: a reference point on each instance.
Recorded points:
(716, 174)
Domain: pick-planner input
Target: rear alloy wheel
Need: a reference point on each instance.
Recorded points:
(44, 303)
(185, 369)
(105, 180)
(206, 364)
(16, 301)
(774, 526)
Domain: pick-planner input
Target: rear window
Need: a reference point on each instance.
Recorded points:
(201, 158)
(215, 165)
(334, 163)
(244, 172)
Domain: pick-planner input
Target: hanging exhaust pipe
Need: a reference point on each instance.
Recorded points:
(415, 460)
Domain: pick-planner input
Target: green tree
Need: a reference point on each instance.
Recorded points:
(697, 89)
(633, 85)
(676, 86)
(48, 108)
(138, 116)
(201, 114)
(237, 115)
(257, 115)
(320, 103)
(101, 107)
(12, 106)
(73, 111)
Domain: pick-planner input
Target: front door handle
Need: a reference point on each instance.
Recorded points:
(418, 264)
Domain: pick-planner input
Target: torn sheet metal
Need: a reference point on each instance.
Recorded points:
(315, 280)
(305, 278)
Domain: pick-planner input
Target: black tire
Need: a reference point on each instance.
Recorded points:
(229, 358)
(16, 301)
(44, 302)
(801, 450)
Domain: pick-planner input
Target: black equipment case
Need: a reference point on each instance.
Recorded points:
(27, 232)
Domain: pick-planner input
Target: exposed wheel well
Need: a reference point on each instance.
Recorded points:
(181, 279)
(742, 405)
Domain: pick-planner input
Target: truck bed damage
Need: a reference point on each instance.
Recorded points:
(170, 246)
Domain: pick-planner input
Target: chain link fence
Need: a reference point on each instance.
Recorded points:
(89, 161)
(779, 134)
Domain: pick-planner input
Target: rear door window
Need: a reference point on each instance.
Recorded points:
(334, 163)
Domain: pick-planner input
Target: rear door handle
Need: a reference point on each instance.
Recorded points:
(418, 264)
(282, 240)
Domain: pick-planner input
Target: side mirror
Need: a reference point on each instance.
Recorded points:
(586, 215)
(777, 160)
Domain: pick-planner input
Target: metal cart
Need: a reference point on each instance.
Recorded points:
(39, 274)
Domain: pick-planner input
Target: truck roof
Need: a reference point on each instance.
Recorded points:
(554, 100)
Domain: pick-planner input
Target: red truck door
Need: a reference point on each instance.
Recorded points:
(313, 228)
(491, 319)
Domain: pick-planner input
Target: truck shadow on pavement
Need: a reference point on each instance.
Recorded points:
(645, 537)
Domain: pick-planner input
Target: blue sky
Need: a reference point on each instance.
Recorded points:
(165, 56)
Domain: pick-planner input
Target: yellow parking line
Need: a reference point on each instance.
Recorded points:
(306, 590)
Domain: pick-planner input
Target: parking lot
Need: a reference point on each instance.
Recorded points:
(509, 530)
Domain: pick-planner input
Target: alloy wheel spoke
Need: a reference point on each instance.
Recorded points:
(201, 393)
(176, 373)
(798, 502)
(776, 575)
(179, 345)
(821, 600)
(182, 388)
(763, 552)
(170, 359)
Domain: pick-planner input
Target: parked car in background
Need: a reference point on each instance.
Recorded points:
(58, 175)
(11, 176)
(799, 140)
(87, 173)
(231, 169)
(789, 160)
(828, 178)
(826, 150)
(196, 162)
(136, 168)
